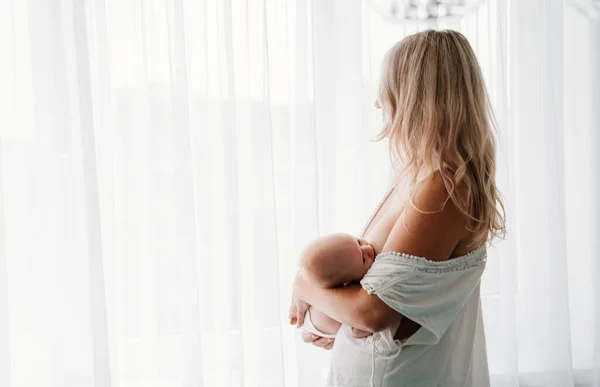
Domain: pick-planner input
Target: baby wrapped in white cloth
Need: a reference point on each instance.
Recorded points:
(331, 261)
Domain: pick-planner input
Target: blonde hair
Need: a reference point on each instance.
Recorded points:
(437, 117)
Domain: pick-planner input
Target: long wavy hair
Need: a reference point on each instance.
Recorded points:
(437, 117)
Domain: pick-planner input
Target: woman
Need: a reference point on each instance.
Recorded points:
(421, 296)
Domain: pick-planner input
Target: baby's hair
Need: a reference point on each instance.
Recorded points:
(316, 263)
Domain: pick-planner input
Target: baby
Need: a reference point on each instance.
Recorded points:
(330, 261)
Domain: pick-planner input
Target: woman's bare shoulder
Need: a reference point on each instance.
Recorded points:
(431, 225)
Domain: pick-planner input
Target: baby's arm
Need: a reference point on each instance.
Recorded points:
(323, 322)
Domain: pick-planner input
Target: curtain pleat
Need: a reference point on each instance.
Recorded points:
(163, 163)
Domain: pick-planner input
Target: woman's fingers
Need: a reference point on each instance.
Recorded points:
(318, 341)
(308, 337)
(301, 308)
(292, 312)
(323, 343)
(300, 317)
(296, 311)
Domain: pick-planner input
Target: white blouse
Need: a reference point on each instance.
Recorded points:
(448, 350)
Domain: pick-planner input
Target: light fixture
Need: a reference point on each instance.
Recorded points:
(418, 10)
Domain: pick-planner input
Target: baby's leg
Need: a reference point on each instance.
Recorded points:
(358, 333)
(322, 322)
(325, 324)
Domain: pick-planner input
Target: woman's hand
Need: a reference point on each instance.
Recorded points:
(298, 307)
(318, 341)
(297, 311)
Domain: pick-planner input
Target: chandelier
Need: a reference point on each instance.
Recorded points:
(418, 10)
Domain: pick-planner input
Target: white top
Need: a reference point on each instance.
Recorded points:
(448, 350)
(443, 297)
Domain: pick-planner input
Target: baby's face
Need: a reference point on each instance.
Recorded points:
(361, 259)
(352, 256)
(337, 259)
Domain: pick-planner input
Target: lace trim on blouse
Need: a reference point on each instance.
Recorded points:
(425, 265)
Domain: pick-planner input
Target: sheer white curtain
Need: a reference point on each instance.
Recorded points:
(163, 162)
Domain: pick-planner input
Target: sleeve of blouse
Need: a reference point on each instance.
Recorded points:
(430, 293)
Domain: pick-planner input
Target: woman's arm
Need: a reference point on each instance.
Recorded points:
(350, 305)
(433, 233)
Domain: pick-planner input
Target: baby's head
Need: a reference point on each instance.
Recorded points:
(336, 259)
